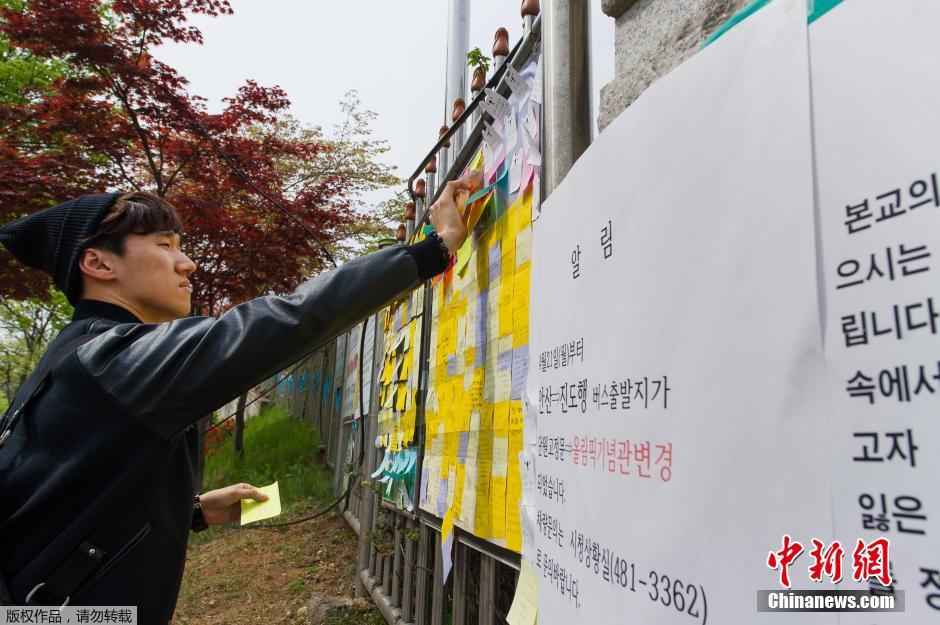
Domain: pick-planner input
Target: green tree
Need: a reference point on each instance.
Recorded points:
(351, 153)
(22, 73)
(26, 329)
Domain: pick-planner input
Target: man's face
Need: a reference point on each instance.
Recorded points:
(153, 276)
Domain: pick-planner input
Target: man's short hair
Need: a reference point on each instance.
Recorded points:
(138, 212)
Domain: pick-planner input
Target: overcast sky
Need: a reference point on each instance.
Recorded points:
(392, 53)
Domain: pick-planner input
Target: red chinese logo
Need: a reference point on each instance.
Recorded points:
(868, 560)
(871, 560)
(784, 558)
(826, 562)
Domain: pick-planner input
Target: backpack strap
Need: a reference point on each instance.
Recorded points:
(82, 561)
(34, 384)
(21, 402)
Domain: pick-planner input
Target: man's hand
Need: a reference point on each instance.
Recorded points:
(224, 504)
(447, 214)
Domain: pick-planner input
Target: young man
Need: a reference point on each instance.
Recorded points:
(98, 477)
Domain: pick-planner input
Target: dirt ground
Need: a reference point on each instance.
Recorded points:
(242, 577)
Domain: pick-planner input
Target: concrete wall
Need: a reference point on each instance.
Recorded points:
(652, 37)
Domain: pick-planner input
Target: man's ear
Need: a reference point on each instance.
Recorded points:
(97, 264)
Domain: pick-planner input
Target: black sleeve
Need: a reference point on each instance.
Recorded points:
(171, 374)
(430, 255)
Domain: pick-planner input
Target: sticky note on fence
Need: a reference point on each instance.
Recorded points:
(259, 510)
(447, 543)
(525, 603)
(464, 253)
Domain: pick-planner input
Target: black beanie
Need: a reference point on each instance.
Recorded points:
(51, 239)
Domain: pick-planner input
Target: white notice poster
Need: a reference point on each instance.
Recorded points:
(877, 137)
(676, 363)
(351, 374)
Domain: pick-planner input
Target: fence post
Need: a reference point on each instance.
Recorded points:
(566, 124)
(240, 425)
(438, 590)
(487, 590)
(407, 603)
(459, 616)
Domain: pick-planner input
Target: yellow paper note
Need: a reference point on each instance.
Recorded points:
(521, 282)
(477, 162)
(520, 326)
(524, 246)
(515, 424)
(492, 312)
(497, 506)
(459, 486)
(524, 210)
(513, 496)
(469, 496)
(481, 520)
(447, 526)
(259, 510)
(526, 601)
(463, 254)
(505, 305)
(500, 456)
(452, 483)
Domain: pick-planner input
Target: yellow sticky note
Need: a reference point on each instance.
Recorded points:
(505, 304)
(524, 246)
(513, 496)
(524, 210)
(526, 601)
(447, 526)
(481, 522)
(513, 526)
(463, 254)
(521, 283)
(477, 162)
(259, 510)
(500, 462)
(497, 506)
(460, 484)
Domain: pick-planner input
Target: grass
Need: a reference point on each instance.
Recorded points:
(277, 447)
(248, 577)
(358, 616)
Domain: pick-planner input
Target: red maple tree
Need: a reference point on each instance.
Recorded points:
(118, 118)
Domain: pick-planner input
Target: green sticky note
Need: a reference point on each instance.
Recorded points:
(259, 510)
(463, 254)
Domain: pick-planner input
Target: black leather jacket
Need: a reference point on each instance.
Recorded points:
(124, 406)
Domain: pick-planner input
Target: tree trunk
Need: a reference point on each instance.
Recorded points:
(240, 425)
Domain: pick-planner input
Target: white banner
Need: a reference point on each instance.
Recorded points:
(676, 366)
(877, 139)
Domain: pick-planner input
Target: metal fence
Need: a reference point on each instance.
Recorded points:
(400, 565)
(400, 562)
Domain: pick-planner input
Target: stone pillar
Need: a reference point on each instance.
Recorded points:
(651, 37)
